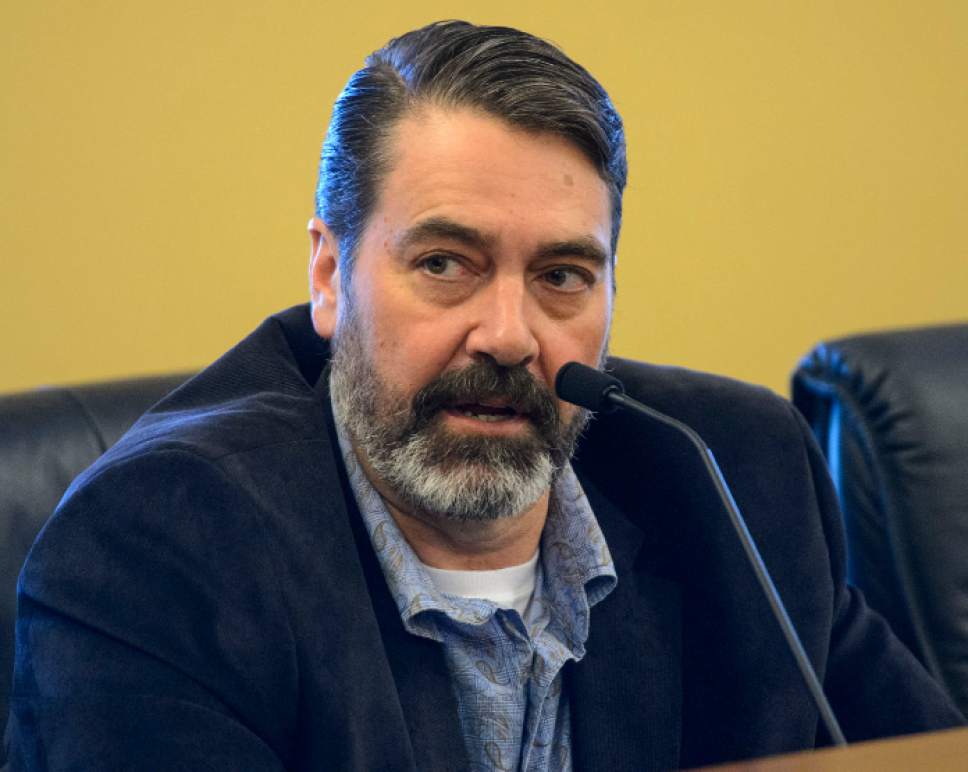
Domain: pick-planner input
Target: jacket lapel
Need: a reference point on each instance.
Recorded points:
(420, 674)
(423, 682)
(626, 694)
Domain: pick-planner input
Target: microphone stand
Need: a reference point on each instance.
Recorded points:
(592, 389)
(616, 396)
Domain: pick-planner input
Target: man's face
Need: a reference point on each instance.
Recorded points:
(483, 269)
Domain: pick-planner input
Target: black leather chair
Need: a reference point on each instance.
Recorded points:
(890, 410)
(47, 438)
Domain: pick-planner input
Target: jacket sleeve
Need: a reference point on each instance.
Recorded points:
(875, 685)
(150, 631)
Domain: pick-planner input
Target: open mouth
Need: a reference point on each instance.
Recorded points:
(487, 413)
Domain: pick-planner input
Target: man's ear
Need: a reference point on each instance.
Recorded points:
(324, 277)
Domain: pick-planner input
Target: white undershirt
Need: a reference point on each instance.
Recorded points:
(510, 587)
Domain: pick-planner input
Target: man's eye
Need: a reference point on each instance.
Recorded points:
(567, 279)
(441, 265)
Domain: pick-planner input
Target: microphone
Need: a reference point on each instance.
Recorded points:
(592, 389)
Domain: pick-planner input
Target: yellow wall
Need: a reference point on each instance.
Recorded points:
(798, 170)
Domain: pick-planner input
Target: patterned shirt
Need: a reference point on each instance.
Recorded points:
(505, 670)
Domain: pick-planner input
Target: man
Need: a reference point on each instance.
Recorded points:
(387, 561)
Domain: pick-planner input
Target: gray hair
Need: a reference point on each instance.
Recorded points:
(504, 72)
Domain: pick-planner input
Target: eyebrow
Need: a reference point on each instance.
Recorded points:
(443, 228)
(584, 247)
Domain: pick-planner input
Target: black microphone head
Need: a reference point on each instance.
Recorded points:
(585, 386)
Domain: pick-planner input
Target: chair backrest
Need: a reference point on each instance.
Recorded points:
(48, 437)
(890, 410)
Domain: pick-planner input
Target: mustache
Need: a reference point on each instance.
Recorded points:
(486, 381)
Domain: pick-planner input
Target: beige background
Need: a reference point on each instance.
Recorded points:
(798, 170)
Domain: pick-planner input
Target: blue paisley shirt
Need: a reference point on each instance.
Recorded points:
(505, 670)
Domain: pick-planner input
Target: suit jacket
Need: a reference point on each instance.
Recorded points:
(206, 597)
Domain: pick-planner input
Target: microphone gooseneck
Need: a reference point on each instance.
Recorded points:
(592, 389)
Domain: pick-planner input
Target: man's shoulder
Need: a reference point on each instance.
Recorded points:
(256, 395)
(702, 400)
(755, 435)
(242, 448)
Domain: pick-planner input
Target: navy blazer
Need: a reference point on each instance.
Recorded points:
(206, 597)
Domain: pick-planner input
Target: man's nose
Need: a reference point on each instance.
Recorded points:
(503, 326)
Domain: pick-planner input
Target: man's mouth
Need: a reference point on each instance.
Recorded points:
(487, 413)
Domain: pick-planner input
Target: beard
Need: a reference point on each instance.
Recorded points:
(433, 470)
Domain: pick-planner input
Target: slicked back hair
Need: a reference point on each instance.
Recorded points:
(517, 77)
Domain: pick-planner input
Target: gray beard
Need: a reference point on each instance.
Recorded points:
(432, 470)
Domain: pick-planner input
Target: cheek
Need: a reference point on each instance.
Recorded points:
(411, 352)
(566, 413)
(584, 343)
